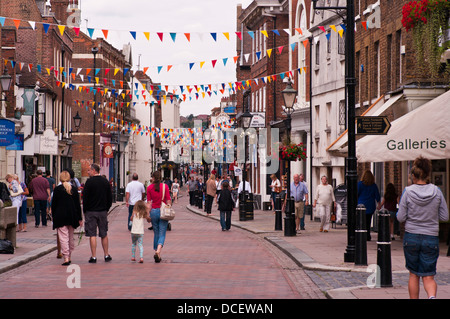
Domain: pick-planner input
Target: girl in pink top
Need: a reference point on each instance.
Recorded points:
(154, 199)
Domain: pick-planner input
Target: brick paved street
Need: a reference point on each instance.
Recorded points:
(199, 261)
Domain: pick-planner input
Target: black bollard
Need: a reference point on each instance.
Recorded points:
(200, 201)
(289, 219)
(360, 236)
(278, 219)
(384, 249)
(242, 207)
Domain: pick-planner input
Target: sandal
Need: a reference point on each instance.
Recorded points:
(157, 258)
(141, 260)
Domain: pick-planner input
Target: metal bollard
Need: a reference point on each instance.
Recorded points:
(384, 249)
(278, 219)
(289, 219)
(360, 236)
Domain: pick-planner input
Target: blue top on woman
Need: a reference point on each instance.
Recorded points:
(368, 195)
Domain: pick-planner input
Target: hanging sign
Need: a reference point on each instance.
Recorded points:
(6, 132)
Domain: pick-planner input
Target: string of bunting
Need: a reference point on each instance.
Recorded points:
(83, 73)
(181, 91)
(170, 136)
(168, 36)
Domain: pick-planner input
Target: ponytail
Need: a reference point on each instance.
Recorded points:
(65, 178)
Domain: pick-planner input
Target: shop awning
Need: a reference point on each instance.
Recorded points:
(424, 131)
(339, 146)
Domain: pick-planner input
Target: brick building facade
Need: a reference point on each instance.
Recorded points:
(255, 63)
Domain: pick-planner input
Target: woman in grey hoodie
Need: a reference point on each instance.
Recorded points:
(422, 206)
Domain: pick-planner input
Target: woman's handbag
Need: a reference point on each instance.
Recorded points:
(166, 211)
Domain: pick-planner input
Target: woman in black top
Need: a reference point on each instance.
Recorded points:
(66, 212)
(226, 206)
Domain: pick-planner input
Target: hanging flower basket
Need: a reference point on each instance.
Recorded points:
(428, 20)
(292, 152)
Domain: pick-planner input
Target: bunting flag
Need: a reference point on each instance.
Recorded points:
(173, 35)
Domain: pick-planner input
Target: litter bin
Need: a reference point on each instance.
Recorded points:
(245, 206)
(121, 195)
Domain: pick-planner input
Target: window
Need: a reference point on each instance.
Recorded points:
(318, 53)
(40, 112)
(376, 70)
(398, 57)
(341, 44)
(328, 42)
(342, 113)
(389, 62)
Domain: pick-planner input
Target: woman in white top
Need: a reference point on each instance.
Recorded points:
(140, 213)
(175, 189)
(324, 198)
(276, 189)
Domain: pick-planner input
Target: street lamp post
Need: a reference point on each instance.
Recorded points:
(350, 83)
(289, 95)
(246, 120)
(94, 52)
(77, 121)
(5, 81)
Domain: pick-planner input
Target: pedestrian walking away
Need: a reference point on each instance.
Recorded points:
(97, 200)
(40, 189)
(66, 212)
(211, 193)
(369, 196)
(154, 199)
(389, 202)
(139, 214)
(226, 206)
(422, 206)
(134, 191)
(323, 200)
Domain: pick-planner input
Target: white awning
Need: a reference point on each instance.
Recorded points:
(424, 131)
(339, 146)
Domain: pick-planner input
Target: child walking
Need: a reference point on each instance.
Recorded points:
(137, 229)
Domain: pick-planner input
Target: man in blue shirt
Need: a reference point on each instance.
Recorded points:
(300, 193)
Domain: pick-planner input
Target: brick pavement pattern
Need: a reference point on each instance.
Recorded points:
(199, 261)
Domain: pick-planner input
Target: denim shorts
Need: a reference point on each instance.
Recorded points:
(421, 253)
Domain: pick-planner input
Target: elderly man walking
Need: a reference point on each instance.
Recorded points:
(300, 193)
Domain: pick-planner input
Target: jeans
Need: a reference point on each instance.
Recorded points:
(137, 239)
(159, 228)
(421, 253)
(130, 212)
(40, 210)
(225, 220)
(23, 213)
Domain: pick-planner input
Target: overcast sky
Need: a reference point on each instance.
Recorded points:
(198, 17)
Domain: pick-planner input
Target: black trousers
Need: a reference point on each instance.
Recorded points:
(208, 203)
(191, 198)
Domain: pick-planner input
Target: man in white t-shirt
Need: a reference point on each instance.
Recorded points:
(135, 191)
